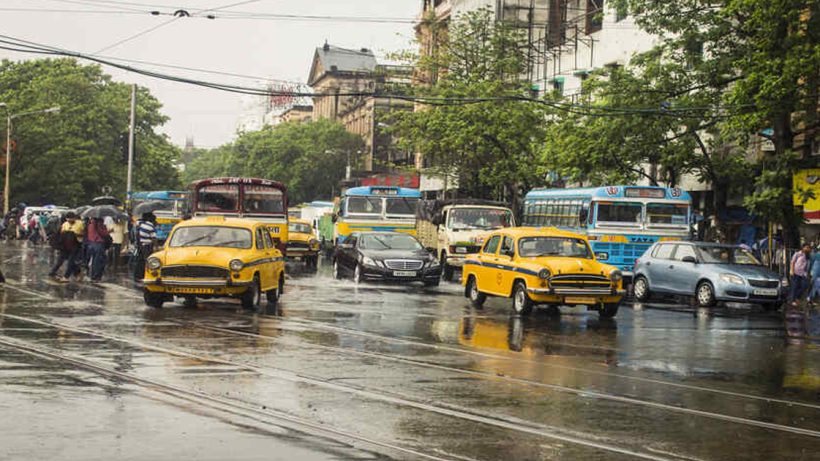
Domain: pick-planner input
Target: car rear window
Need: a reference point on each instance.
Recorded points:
(663, 252)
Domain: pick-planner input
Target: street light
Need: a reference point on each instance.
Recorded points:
(9, 118)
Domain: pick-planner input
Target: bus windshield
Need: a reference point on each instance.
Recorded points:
(620, 213)
(364, 205)
(299, 228)
(667, 214)
(531, 247)
(401, 206)
(219, 197)
(263, 200)
(478, 218)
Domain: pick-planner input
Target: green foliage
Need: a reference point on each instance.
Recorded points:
(67, 158)
(770, 52)
(310, 158)
(490, 146)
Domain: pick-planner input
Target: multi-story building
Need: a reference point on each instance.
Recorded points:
(346, 85)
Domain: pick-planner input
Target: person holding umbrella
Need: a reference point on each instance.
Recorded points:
(98, 240)
(70, 239)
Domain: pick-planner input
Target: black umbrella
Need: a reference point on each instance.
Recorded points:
(81, 209)
(104, 211)
(106, 200)
(149, 207)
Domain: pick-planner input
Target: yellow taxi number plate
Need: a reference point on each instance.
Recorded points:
(579, 300)
(192, 291)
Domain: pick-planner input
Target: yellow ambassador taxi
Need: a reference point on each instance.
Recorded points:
(302, 244)
(542, 266)
(216, 257)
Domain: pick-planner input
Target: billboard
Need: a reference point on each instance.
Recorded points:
(804, 180)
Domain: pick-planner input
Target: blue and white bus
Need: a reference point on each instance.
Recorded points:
(621, 222)
(169, 208)
(376, 208)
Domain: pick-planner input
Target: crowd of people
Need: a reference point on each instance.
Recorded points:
(805, 275)
(84, 246)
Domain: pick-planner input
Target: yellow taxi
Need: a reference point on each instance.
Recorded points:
(215, 257)
(302, 243)
(542, 266)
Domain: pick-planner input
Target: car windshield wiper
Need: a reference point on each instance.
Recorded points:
(381, 242)
(197, 240)
(228, 243)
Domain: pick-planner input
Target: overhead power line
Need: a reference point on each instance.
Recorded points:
(23, 46)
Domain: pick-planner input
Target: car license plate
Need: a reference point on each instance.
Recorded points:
(461, 250)
(766, 292)
(404, 273)
(573, 300)
(192, 291)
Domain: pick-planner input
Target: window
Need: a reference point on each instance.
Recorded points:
(260, 241)
(269, 240)
(390, 242)
(299, 228)
(364, 205)
(478, 218)
(222, 197)
(594, 15)
(212, 236)
(401, 206)
(263, 199)
(667, 213)
(507, 247)
(727, 255)
(619, 212)
(663, 251)
(684, 251)
(533, 247)
(492, 245)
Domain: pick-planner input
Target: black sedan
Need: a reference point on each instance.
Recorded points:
(385, 256)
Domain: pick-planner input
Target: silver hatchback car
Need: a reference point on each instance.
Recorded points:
(709, 272)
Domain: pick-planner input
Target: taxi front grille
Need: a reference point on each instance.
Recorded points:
(194, 272)
(579, 281)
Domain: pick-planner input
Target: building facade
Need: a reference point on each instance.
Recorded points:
(346, 85)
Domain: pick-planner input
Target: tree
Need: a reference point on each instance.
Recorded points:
(771, 51)
(68, 158)
(310, 158)
(473, 124)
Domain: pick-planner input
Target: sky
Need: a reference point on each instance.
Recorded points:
(242, 39)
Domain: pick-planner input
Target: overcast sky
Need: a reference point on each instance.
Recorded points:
(251, 45)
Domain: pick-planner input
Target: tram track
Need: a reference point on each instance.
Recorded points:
(497, 421)
(426, 404)
(488, 355)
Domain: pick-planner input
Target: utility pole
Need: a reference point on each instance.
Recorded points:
(7, 188)
(131, 135)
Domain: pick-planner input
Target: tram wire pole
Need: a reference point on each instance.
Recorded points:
(131, 135)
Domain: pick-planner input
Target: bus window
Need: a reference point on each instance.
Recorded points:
(364, 205)
(262, 199)
(401, 206)
(219, 197)
(619, 212)
(667, 213)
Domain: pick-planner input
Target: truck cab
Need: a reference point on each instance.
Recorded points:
(456, 229)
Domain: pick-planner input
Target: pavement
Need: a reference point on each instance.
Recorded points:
(341, 371)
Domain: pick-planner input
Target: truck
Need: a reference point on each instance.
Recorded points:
(456, 228)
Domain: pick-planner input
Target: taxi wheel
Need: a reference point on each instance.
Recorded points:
(274, 295)
(477, 298)
(357, 274)
(522, 304)
(253, 295)
(607, 311)
(155, 300)
(337, 271)
(641, 289)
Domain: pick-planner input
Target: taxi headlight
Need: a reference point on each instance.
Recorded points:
(732, 278)
(236, 265)
(544, 274)
(153, 263)
(616, 275)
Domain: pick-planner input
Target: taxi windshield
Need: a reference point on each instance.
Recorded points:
(211, 236)
(389, 242)
(531, 247)
(299, 228)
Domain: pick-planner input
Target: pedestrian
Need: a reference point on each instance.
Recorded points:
(69, 241)
(117, 229)
(814, 274)
(799, 270)
(145, 236)
(97, 242)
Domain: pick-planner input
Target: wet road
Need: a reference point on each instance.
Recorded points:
(340, 371)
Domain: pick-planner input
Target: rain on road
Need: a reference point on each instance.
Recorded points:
(340, 371)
